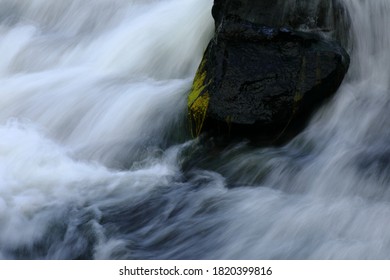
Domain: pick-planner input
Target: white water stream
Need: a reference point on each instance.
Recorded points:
(93, 142)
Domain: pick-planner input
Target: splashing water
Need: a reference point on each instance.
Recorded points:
(96, 162)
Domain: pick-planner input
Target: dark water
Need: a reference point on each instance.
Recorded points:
(96, 160)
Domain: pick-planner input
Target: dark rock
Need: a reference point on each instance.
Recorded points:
(309, 14)
(262, 80)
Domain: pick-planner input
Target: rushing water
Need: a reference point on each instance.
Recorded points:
(96, 160)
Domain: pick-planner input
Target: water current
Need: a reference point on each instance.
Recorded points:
(96, 161)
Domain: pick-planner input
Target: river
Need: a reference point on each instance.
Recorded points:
(96, 161)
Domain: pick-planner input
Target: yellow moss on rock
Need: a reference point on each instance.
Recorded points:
(198, 100)
(198, 113)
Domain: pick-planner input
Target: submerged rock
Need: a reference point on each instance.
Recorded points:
(262, 81)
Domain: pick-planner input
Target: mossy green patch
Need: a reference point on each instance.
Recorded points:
(198, 100)
(198, 113)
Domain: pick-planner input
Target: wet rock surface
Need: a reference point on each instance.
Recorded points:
(261, 81)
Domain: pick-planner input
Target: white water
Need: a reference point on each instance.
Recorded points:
(94, 155)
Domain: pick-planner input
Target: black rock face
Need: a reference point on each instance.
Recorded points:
(262, 81)
(315, 14)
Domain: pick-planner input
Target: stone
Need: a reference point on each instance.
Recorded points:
(261, 81)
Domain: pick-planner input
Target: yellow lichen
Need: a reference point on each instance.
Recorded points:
(198, 101)
(198, 113)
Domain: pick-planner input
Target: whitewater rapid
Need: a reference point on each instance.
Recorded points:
(96, 161)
